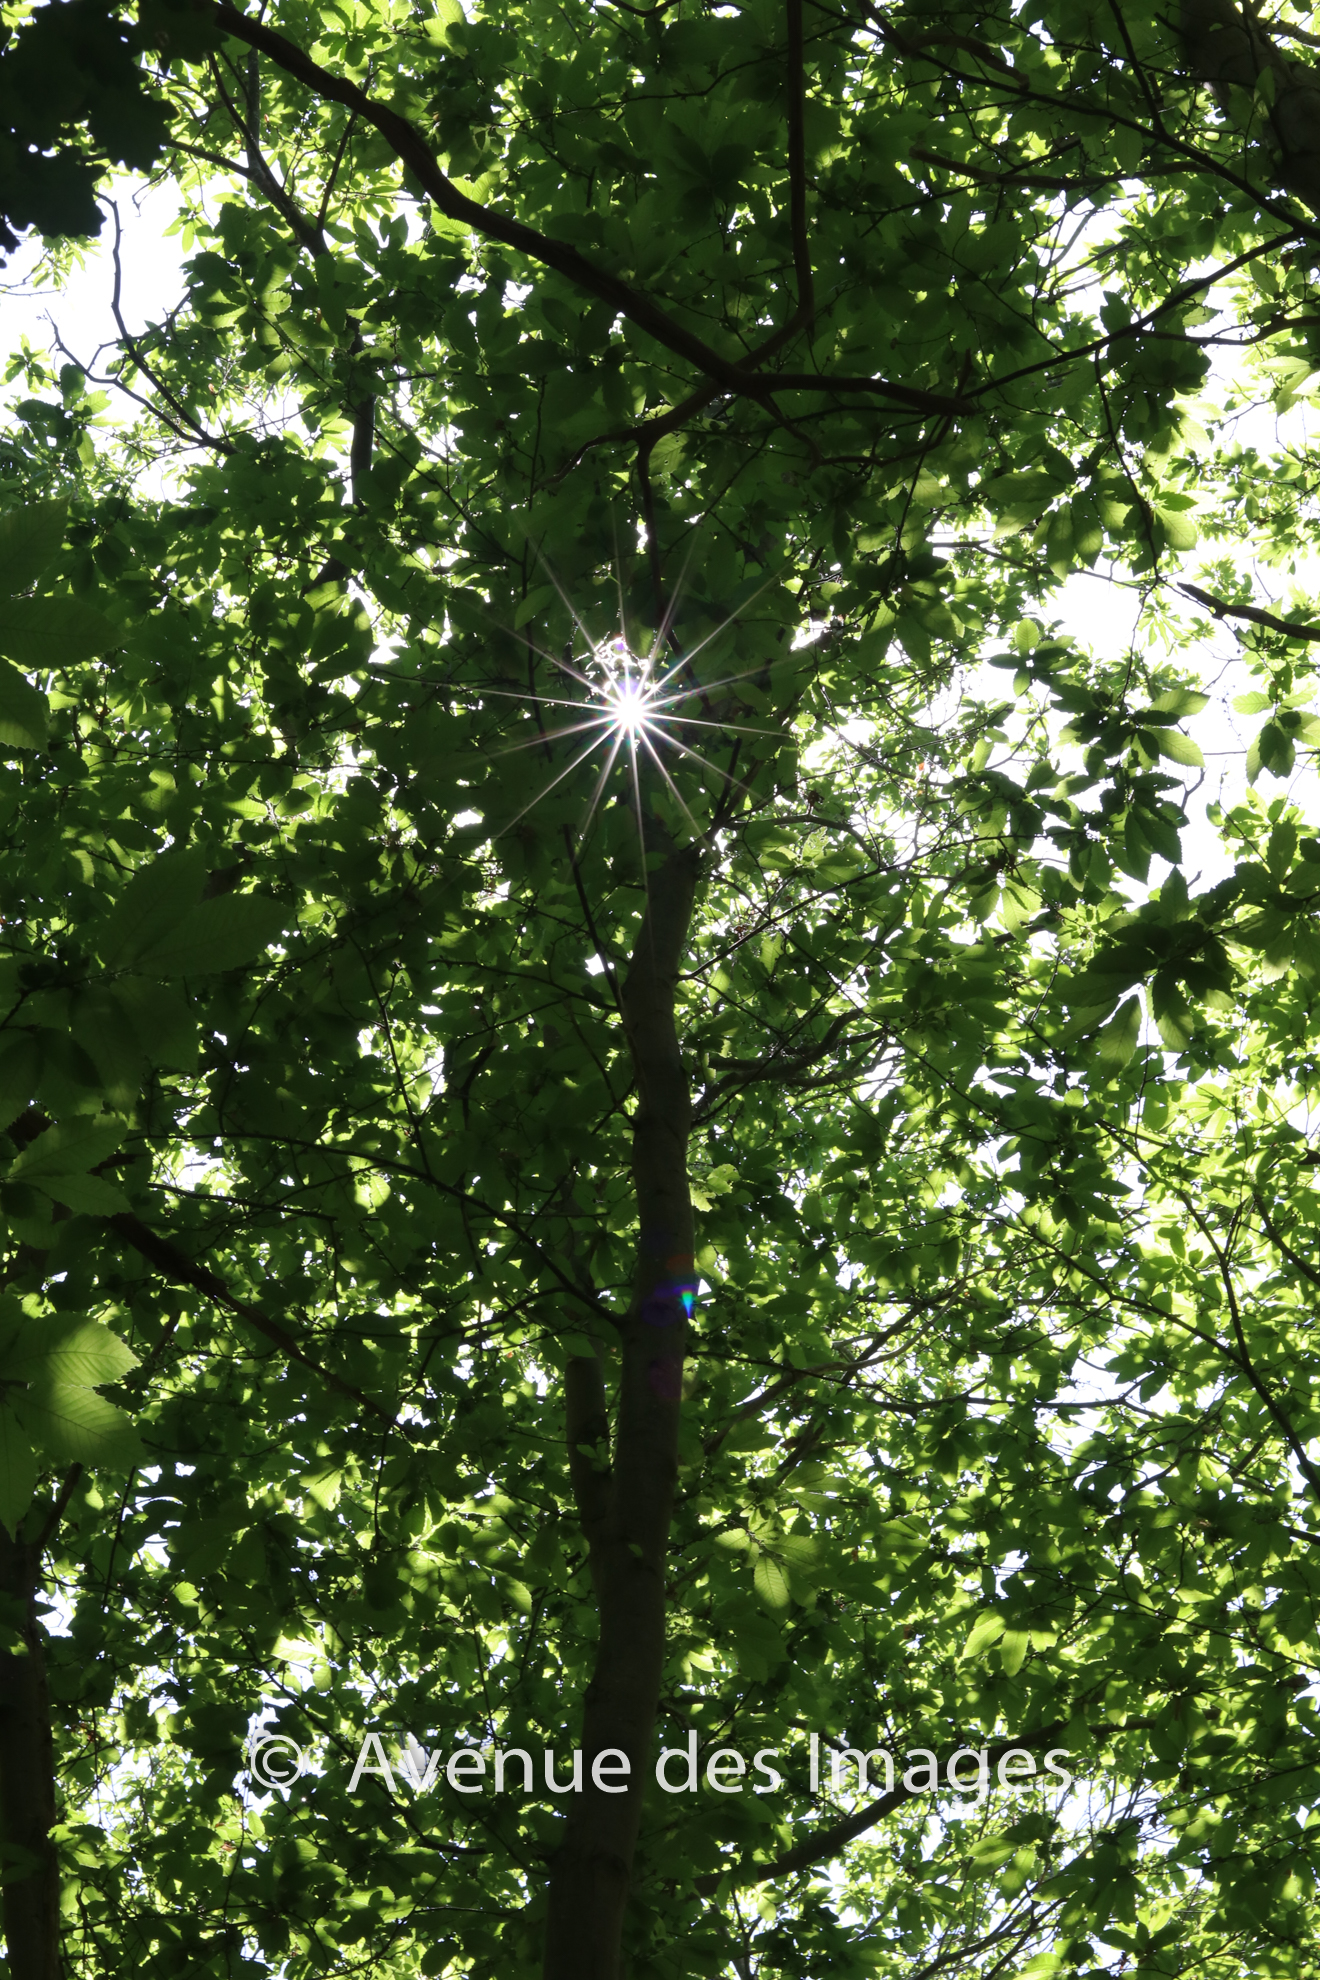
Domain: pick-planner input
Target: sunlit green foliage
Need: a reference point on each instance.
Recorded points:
(1000, 1421)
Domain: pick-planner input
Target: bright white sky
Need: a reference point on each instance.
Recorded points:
(152, 281)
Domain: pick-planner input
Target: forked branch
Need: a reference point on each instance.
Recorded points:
(825, 1844)
(175, 1264)
(732, 375)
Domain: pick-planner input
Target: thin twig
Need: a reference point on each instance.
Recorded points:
(169, 1259)
(827, 1843)
(797, 167)
(1015, 176)
(56, 1514)
(333, 173)
(180, 411)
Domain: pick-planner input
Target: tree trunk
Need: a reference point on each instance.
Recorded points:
(1226, 44)
(27, 1779)
(625, 1504)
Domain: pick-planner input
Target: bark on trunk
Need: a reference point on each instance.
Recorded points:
(1225, 44)
(27, 1780)
(625, 1502)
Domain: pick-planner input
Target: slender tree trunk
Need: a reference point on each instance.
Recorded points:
(625, 1503)
(27, 1779)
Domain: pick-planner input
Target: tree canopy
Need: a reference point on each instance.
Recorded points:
(644, 1109)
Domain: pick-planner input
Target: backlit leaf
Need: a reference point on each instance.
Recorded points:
(75, 1425)
(52, 632)
(23, 711)
(29, 539)
(217, 934)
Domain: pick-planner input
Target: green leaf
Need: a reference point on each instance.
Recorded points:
(74, 1425)
(161, 1020)
(1252, 704)
(1179, 529)
(986, 1630)
(992, 1852)
(323, 1487)
(23, 711)
(91, 1196)
(1174, 1018)
(1136, 846)
(1117, 1041)
(1014, 1646)
(151, 906)
(1179, 748)
(800, 1552)
(67, 1150)
(20, 1066)
(64, 1348)
(535, 601)
(217, 934)
(53, 632)
(771, 1582)
(1271, 750)
(1282, 845)
(1179, 701)
(29, 538)
(101, 1026)
(18, 1471)
(89, 1355)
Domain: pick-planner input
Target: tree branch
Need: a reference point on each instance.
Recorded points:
(1223, 610)
(797, 168)
(1226, 46)
(1308, 1272)
(1182, 295)
(175, 1264)
(587, 1429)
(733, 375)
(193, 427)
(1015, 175)
(827, 1843)
(308, 233)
